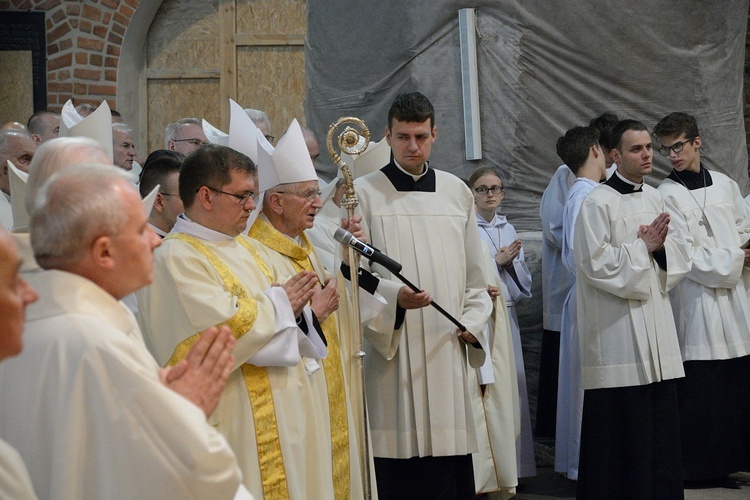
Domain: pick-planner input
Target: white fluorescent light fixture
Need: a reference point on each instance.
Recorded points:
(467, 30)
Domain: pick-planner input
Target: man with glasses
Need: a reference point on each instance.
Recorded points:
(207, 273)
(628, 255)
(711, 309)
(291, 202)
(423, 432)
(184, 136)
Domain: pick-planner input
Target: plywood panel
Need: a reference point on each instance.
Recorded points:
(16, 86)
(271, 16)
(273, 79)
(184, 34)
(170, 100)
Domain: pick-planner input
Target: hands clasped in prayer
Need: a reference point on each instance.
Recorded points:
(201, 376)
(506, 254)
(655, 234)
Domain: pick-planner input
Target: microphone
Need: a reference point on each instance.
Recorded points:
(372, 254)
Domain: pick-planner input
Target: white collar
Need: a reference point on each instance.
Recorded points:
(187, 226)
(415, 177)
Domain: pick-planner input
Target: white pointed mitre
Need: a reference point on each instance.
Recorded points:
(242, 132)
(289, 162)
(149, 199)
(69, 117)
(214, 135)
(376, 156)
(97, 126)
(18, 180)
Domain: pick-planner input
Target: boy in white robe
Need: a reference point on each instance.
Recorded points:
(711, 309)
(579, 147)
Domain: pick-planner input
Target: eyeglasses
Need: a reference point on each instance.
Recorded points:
(168, 194)
(193, 142)
(270, 138)
(484, 190)
(241, 197)
(310, 195)
(676, 147)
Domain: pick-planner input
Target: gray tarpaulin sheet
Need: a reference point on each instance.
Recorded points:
(544, 67)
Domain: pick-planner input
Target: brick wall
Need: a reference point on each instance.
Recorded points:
(83, 46)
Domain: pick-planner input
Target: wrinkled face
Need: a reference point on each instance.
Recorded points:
(132, 249)
(171, 203)
(489, 201)
(635, 155)
(411, 143)
(689, 157)
(300, 203)
(15, 295)
(20, 151)
(124, 149)
(51, 128)
(189, 138)
(228, 215)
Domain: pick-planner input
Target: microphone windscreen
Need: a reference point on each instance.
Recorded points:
(342, 236)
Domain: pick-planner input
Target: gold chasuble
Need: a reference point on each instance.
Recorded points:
(299, 257)
(258, 385)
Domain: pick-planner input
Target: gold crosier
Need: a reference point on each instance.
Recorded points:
(353, 141)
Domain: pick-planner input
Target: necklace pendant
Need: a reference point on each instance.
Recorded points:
(703, 222)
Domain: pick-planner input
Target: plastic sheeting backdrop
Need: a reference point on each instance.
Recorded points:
(544, 67)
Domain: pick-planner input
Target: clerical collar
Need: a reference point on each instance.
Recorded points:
(404, 181)
(623, 185)
(187, 226)
(692, 180)
(158, 231)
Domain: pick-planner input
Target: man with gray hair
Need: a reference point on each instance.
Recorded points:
(123, 146)
(184, 136)
(19, 148)
(261, 120)
(149, 435)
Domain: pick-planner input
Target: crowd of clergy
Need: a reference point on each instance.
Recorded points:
(185, 324)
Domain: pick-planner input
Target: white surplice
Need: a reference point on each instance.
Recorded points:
(6, 211)
(417, 376)
(15, 482)
(499, 407)
(625, 326)
(711, 305)
(187, 296)
(569, 384)
(84, 406)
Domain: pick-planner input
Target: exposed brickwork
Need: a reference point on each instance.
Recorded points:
(83, 46)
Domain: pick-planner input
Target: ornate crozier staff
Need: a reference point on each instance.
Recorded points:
(354, 142)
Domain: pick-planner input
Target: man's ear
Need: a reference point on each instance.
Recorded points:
(101, 252)
(159, 202)
(203, 196)
(170, 145)
(274, 203)
(614, 155)
(36, 138)
(388, 135)
(697, 142)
